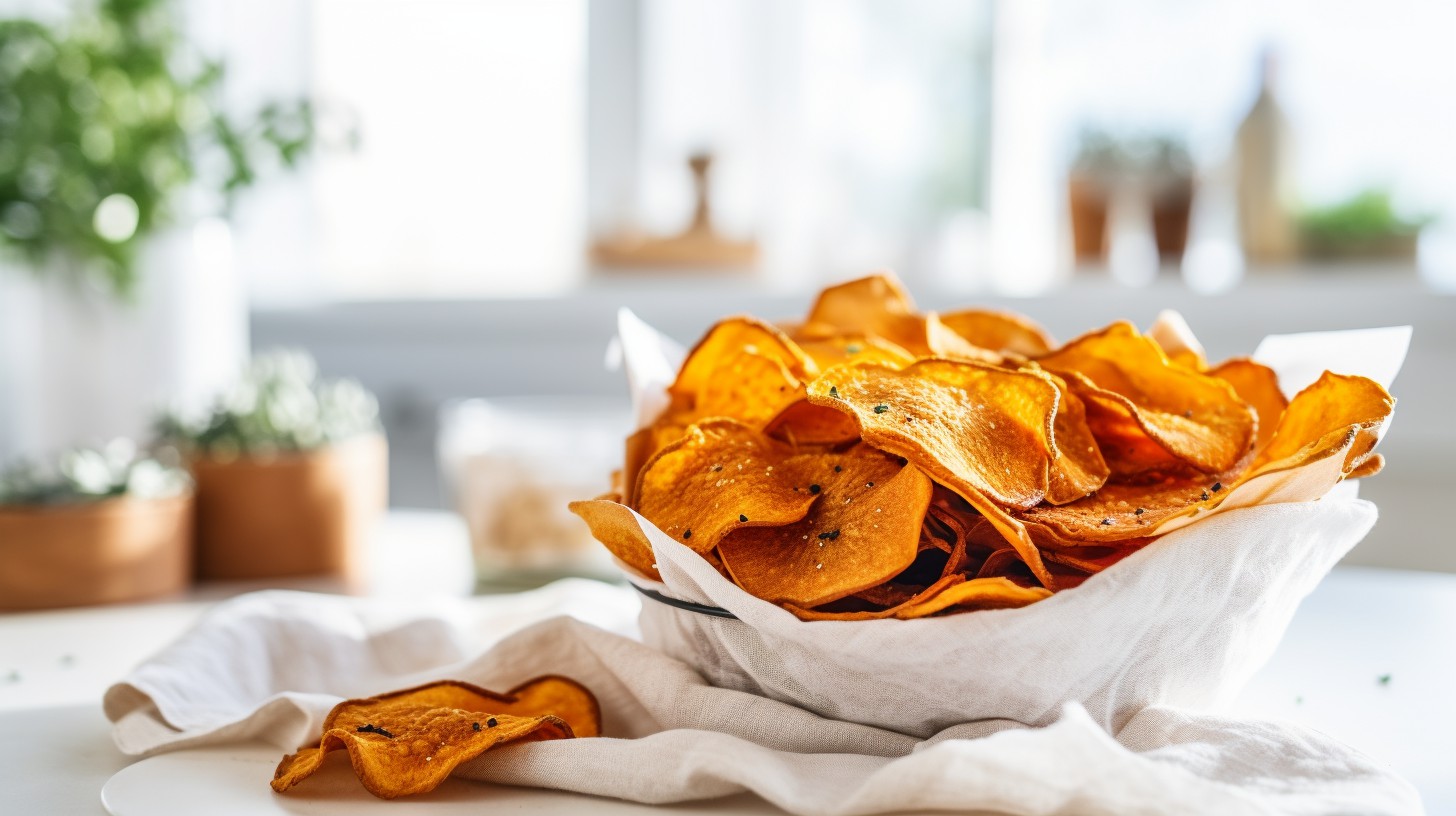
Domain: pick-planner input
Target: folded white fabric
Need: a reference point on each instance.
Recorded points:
(270, 665)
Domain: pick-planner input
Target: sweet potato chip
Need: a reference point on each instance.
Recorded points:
(804, 423)
(977, 593)
(408, 742)
(1122, 511)
(838, 349)
(1258, 385)
(642, 445)
(1196, 418)
(617, 529)
(1091, 560)
(949, 593)
(1368, 468)
(1324, 435)
(722, 476)
(1121, 438)
(869, 305)
(984, 432)
(1000, 331)
(1078, 468)
(743, 368)
(974, 428)
(862, 530)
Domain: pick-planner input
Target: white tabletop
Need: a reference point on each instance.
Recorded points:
(1368, 659)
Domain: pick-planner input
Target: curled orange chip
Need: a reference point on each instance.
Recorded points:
(1000, 331)
(838, 349)
(862, 529)
(1325, 434)
(984, 432)
(1196, 418)
(868, 305)
(804, 423)
(1091, 560)
(977, 593)
(1368, 468)
(617, 529)
(946, 594)
(409, 741)
(974, 428)
(1257, 385)
(742, 368)
(722, 476)
(1078, 468)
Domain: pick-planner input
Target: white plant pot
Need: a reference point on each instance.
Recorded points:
(79, 365)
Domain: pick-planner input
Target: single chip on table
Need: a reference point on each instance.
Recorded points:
(862, 529)
(1198, 419)
(408, 742)
(696, 489)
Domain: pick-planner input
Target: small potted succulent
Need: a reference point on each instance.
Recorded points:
(94, 526)
(291, 472)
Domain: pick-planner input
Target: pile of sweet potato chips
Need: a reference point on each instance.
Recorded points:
(875, 461)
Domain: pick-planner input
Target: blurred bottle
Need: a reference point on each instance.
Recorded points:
(1262, 149)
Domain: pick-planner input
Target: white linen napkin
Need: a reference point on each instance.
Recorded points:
(270, 665)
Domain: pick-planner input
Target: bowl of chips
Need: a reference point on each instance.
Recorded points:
(914, 519)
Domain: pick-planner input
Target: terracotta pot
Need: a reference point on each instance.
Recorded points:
(108, 551)
(293, 514)
(1172, 209)
(1087, 202)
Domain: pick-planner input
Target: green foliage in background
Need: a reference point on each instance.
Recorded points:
(91, 474)
(278, 405)
(1367, 215)
(103, 122)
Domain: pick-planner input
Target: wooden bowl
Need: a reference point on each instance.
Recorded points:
(108, 551)
(289, 515)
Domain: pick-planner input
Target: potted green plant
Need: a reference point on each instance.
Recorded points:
(291, 472)
(93, 526)
(118, 164)
(1364, 227)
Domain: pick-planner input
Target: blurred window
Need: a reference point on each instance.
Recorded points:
(828, 118)
(469, 178)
